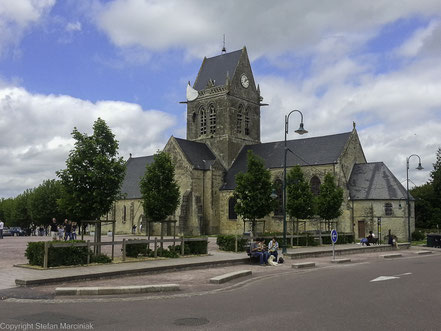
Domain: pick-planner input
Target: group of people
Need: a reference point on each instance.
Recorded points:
(263, 252)
(66, 230)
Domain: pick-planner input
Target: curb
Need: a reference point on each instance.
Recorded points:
(115, 290)
(338, 261)
(391, 256)
(229, 276)
(126, 272)
(424, 252)
(304, 265)
(347, 251)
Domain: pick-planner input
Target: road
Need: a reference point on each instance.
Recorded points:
(331, 297)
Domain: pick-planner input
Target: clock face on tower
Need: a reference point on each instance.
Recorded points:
(244, 81)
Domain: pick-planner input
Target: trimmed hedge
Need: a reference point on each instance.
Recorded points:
(191, 247)
(134, 250)
(61, 255)
(227, 243)
(342, 239)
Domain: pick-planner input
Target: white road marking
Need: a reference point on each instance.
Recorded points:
(381, 278)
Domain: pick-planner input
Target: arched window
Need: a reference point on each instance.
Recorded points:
(315, 185)
(203, 115)
(278, 188)
(247, 123)
(212, 119)
(388, 211)
(231, 212)
(239, 120)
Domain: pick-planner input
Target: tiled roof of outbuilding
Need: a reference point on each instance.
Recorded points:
(198, 154)
(135, 169)
(374, 181)
(307, 151)
(216, 68)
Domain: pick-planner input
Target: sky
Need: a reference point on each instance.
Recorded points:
(65, 63)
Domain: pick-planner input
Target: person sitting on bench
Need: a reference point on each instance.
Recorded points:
(371, 238)
(258, 250)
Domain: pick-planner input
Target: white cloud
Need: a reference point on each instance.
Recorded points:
(17, 16)
(73, 26)
(397, 114)
(37, 130)
(266, 27)
(424, 39)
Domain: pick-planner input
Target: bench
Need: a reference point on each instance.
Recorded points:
(372, 240)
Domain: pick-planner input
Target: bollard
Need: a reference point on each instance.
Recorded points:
(156, 248)
(46, 254)
(88, 251)
(124, 249)
(235, 243)
(182, 246)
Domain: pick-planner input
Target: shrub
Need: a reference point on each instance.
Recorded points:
(342, 239)
(198, 247)
(56, 256)
(100, 258)
(35, 253)
(186, 249)
(134, 250)
(418, 235)
(226, 243)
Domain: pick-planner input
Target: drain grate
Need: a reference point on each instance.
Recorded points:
(192, 321)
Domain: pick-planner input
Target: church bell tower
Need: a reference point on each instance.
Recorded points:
(223, 106)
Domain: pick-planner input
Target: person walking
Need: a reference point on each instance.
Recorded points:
(2, 225)
(74, 230)
(54, 229)
(67, 230)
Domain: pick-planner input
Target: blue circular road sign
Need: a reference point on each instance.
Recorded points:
(334, 236)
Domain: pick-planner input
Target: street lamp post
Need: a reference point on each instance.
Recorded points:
(408, 195)
(300, 130)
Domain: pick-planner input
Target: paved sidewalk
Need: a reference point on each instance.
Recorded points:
(215, 258)
(12, 252)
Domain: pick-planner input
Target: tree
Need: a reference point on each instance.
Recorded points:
(428, 198)
(330, 199)
(94, 173)
(43, 202)
(159, 190)
(300, 200)
(435, 176)
(253, 191)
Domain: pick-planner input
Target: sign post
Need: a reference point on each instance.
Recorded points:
(334, 237)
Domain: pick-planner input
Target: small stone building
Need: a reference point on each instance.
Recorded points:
(223, 123)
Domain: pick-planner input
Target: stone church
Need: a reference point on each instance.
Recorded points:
(223, 123)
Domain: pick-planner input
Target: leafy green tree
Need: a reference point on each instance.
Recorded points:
(330, 199)
(300, 200)
(43, 202)
(21, 209)
(159, 190)
(435, 177)
(94, 173)
(428, 198)
(253, 191)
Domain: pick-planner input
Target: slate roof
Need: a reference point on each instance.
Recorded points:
(374, 181)
(307, 151)
(135, 169)
(216, 68)
(198, 154)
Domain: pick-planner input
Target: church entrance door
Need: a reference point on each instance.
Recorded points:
(361, 229)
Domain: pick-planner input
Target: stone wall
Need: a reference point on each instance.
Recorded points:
(369, 211)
